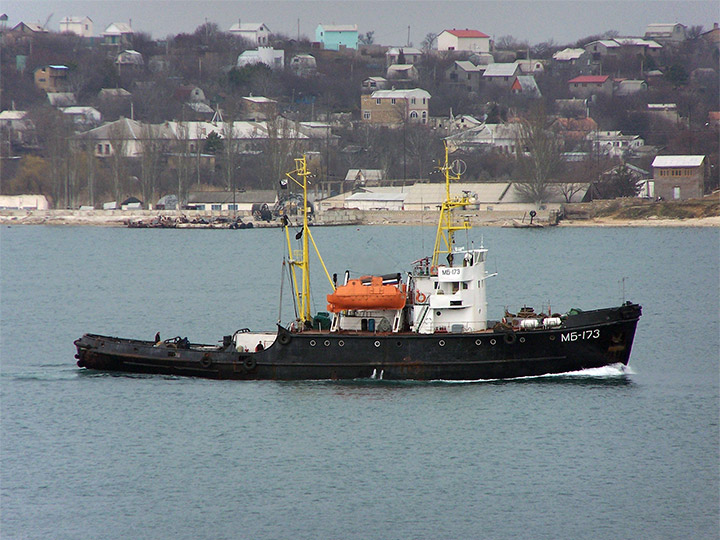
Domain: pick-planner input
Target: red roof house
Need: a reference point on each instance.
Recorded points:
(464, 40)
(585, 86)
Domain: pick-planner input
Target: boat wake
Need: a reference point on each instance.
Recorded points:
(612, 372)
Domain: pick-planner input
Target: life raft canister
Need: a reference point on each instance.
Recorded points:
(359, 295)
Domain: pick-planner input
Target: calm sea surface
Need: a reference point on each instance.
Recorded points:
(603, 454)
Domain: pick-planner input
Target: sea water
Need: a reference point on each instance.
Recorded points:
(607, 453)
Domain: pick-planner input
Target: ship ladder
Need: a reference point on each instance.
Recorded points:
(422, 319)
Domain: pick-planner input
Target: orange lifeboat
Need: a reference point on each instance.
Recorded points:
(359, 294)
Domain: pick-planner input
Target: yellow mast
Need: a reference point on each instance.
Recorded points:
(444, 239)
(300, 258)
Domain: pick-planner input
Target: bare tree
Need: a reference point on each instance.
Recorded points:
(539, 159)
(428, 43)
(279, 149)
(230, 150)
(117, 136)
(150, 162)
(183, 162)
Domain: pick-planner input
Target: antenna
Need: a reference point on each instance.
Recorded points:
(622, 281)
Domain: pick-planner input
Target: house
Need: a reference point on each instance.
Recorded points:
(356, 178)
(464, 40)
(666, 32)
(502, 138)
(123, 135)
(337, 36)
(16, 128)
(573, 131)
(27, 29)
(454, 124)
(402, 55)
(585, 86)
(193, 98)
(190, 93)
(114, 94)
(402, 72)
(375, 83)
(51, 78)
(83, 117)
(525, 85)
(666, 111)
(80, 26)
(568, 56)
(613, 143)
(679, 177)
(129, 59)
(622, 46)
(257, 34)
(303, 65)
(274, 59)
(465, 75)
(628, 87)
(118, 35)
(572, 108)
(393, 107)
(501, 74)
(61, 99)
(259, 108)
(531, 67)
(712, 36)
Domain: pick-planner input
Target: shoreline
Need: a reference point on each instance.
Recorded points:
(118, 218)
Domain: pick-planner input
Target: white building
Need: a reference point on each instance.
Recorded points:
(499, 137)
(263, 55)
(255, 33)
(83, 117)
(568, 55)
(464, 40)
(81, 26)
(667, 32)
(23, 202)
(614, 143)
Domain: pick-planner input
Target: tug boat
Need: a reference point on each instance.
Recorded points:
(431, 324)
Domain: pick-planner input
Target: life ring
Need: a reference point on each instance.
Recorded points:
(284, 339)
(206, 361)
(433, 270)
(509, 338)
(420, 297)
(250, 364)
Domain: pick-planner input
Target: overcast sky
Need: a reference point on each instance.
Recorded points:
(535, 21)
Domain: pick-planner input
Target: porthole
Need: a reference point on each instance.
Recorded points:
(377, 343)
(441, 342)
(522, 340)
(492, 342)
(478, 342)
(438, 313)
(552, 338)
(341, 343)
(398, 343)
(312, 343)
(327, 343)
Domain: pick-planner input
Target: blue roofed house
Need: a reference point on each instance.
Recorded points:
(337, 36)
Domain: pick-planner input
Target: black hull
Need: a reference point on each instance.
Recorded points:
(586, 340)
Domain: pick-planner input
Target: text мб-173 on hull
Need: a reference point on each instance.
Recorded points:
(431, 324)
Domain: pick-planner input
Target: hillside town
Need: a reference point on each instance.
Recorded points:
(110, 118)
